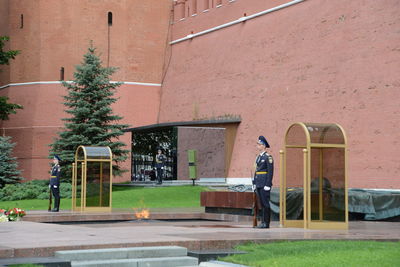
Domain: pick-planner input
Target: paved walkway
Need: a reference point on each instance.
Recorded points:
(37, 239)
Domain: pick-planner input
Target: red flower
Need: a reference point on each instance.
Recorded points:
(13, 213)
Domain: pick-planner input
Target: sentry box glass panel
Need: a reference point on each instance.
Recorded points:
(92, 179)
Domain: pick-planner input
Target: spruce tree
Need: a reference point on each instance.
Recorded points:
(9, 173)
(5, 56)
(91, 121)
(7, 108)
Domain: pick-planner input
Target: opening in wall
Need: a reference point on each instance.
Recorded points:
(110, 22)
(110, 18)
(21, 22)
(62, 74)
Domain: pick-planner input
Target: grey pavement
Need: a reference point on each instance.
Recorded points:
(37, 239)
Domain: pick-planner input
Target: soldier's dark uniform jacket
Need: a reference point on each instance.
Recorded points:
(55, 176)
(160, 160)
(264, 170)
(160, 164)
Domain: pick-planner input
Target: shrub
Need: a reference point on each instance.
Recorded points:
(37, 189)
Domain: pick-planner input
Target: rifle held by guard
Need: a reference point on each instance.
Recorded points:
(50, 199)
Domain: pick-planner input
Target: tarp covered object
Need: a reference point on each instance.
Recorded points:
(374, 204)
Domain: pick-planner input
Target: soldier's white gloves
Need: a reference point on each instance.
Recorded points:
(49, 186)
(55, 186)
(267, 188)
(253, 187)
(162, 168)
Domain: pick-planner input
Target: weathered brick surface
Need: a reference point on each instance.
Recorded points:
(56, 34)
(318, 61)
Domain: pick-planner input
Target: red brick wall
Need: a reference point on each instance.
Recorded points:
(4, 30)
(318, 61)
(35, 126)
(56, 34)
(210, 156)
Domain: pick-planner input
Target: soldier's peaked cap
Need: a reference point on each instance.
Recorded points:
(263, 141)
(57, 157)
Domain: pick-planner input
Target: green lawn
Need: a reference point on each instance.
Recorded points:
(319, 253)
(129, 197)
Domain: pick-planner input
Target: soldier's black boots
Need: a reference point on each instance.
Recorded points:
(262, 225)
(56, 205)
(265, 218)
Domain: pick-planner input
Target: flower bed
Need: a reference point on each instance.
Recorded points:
(14, 214)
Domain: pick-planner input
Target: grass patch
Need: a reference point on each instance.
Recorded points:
(129, 197)
(319, 253)
(159, 197)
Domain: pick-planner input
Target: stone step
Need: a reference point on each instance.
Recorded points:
(145, 262)
(121, 253)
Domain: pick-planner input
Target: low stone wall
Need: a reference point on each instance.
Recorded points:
(240, 203)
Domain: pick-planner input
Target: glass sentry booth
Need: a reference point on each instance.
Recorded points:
(92, 179)
(314, 172)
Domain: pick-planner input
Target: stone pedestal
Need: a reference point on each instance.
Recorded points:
(240, 203)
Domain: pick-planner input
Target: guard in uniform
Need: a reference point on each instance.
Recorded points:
(160, 165)
(55, 183)
(262, 181)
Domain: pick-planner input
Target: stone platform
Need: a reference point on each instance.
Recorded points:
(41, 233)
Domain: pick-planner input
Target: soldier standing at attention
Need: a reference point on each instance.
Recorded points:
(55, 182)
(262, 181)
(160, 165)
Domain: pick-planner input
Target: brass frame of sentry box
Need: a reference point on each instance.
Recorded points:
(306, 146)
(105, 164)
